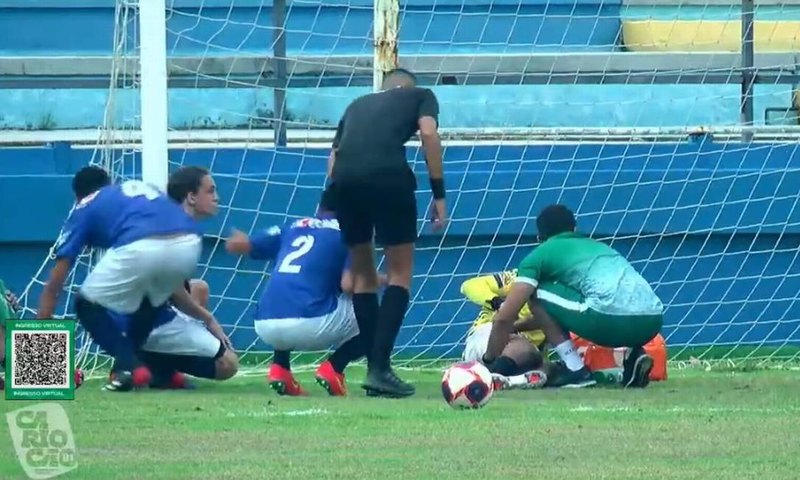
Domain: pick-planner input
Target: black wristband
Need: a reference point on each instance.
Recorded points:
(437, 187)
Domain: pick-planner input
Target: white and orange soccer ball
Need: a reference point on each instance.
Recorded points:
(467, 385)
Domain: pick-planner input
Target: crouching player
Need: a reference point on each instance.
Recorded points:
(521, 364)
(574, 284)
(304, 305)
(152, 245)
(180, 344)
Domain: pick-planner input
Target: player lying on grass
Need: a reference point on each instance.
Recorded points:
(180, 345)
(152, 246)
(573, 283)
(521, 364)
(305, 306)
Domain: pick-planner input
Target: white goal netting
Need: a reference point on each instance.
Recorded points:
(713, 223)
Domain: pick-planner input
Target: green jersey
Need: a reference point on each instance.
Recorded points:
(607, 282)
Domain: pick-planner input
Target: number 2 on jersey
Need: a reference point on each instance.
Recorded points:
(302, 245)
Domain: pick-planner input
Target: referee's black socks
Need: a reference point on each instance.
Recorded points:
(392, 312)
(365, 306)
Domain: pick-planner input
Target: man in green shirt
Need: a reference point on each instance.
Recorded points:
(576, 284)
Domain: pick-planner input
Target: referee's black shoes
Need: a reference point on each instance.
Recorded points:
(385, 383)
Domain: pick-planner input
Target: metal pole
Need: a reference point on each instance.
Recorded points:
(153, 91)
(748, 70)
(279, 53)
(385, 30)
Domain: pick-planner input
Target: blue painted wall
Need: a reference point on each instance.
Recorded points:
(85, 27)
(714, 227)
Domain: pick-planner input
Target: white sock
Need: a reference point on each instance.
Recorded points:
(566, 351)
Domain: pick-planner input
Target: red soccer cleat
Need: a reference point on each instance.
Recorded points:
(331, 380)
(79, 377)
(282, 381)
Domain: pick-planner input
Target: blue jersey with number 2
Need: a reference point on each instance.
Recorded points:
(309, 261)
(118, 215)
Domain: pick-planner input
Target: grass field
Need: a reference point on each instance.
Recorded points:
(697, 425)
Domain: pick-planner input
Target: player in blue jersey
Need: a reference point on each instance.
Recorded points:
(152, 245)
(190, 342)
(304, 305)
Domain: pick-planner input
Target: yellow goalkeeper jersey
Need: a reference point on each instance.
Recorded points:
(481, 290)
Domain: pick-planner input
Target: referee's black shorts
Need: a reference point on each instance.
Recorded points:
(380, 207)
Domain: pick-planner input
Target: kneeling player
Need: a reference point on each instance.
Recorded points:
(180, 344)
(152, 245)
(303, 306)
(521, 364)
(575, 284)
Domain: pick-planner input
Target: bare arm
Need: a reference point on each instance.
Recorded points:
(503, 321)
(184, 302)
(52, 289)
(526, 324)
(432, 145)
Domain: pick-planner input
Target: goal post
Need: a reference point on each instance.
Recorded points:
(385, 31)
(153, 95)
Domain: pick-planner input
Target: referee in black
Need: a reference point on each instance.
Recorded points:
(375, 194)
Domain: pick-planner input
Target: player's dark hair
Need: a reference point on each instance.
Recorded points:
(554, 219)
(327, 202)
(399, 77)
(184, 181)
(89, 180)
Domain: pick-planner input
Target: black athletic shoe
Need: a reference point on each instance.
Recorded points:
(119, 382)
(636, 369)
(578, 379)
(387, 384)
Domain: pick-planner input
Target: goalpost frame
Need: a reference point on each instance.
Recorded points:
(153, 91)
(385, 29)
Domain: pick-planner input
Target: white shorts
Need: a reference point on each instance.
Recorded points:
(311, 334)
(183, 335)
(477, 343)
(152, 268)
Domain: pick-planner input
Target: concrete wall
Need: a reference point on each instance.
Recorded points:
(713, 226)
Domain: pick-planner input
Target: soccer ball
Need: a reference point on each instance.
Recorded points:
(467, 385)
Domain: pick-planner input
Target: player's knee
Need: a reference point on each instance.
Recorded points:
(200, 291)
(365, 282)
(226, 366)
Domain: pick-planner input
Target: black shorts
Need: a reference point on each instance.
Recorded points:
(383, 208)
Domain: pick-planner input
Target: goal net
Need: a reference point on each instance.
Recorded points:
(621, 112)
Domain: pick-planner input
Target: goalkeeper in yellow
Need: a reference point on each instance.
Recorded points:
(521, 364)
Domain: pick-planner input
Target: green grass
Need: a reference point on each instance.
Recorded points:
(697, 425)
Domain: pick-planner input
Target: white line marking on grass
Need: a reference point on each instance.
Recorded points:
(587, 408)
(286, 413)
